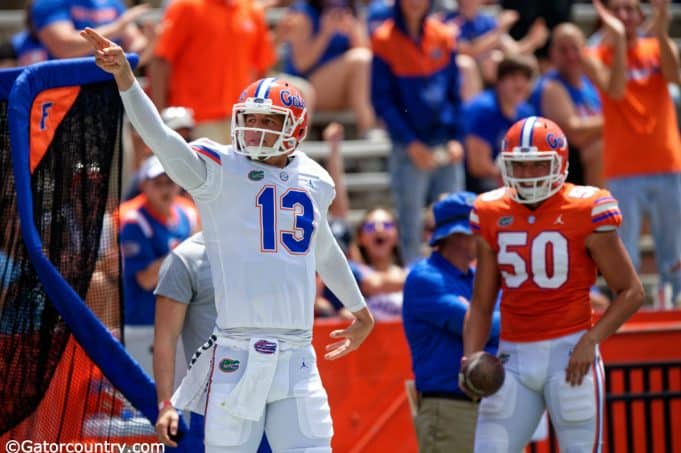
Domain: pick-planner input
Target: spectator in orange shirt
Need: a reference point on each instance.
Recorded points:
(207, 51)
(152, 224)
(642, 149)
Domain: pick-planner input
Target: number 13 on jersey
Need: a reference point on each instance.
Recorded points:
(547, 265)
(295, 240)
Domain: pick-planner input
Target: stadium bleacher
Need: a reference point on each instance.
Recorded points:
(367, 181)
(366, 175)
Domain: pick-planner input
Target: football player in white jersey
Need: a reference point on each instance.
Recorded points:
(263, 208)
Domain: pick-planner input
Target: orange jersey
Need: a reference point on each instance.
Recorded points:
(215, 48)
(640, 134)
(546, 271)
(140, 200)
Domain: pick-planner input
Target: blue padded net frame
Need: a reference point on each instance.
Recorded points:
(99, 344)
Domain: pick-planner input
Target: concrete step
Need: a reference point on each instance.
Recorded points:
(367, 181)
(351, 149)
(322, 117)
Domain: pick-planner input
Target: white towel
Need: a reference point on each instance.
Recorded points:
(247, 400)
(192, 392)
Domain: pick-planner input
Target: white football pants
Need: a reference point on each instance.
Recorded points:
(297, 417)
(535, 381)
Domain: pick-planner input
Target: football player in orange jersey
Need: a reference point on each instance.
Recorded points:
(542, 241)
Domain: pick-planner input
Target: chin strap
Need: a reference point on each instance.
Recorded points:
(264, 158)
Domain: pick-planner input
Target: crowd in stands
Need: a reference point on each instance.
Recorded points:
(443, 83)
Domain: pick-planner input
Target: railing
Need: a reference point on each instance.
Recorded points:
(643, 393)
(643, 409)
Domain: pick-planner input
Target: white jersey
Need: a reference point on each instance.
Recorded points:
(265, 229)
(260, 224)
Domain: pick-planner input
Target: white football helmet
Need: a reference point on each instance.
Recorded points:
(269, 96)
(534, 139)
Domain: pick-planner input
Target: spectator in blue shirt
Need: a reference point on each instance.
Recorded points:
(28, 49)
(530, 12)
(415, 90)
(327, 45)
(436, 296)
(24, 48)
(377, 12)
(58, 22)
(565, 95)
(152, 224)
(489, 115)
(486, 38)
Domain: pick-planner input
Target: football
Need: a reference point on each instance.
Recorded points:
(483, 374)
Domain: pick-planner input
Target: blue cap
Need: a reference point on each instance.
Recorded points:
(451, 215)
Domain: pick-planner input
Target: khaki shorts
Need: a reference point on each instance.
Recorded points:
(446, 425)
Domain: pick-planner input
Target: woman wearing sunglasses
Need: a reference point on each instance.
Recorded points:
(381, 273)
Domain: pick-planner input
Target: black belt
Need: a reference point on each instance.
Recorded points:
(447, 395)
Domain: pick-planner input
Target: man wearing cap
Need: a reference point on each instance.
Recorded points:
(181, 120)
(436, 296)
(152, 224)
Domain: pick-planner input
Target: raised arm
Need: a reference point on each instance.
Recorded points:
(180, 162)
(611, 80)
(669, 53)
(306, 46)
(333, 135)
(533, 40)
(62, 40)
